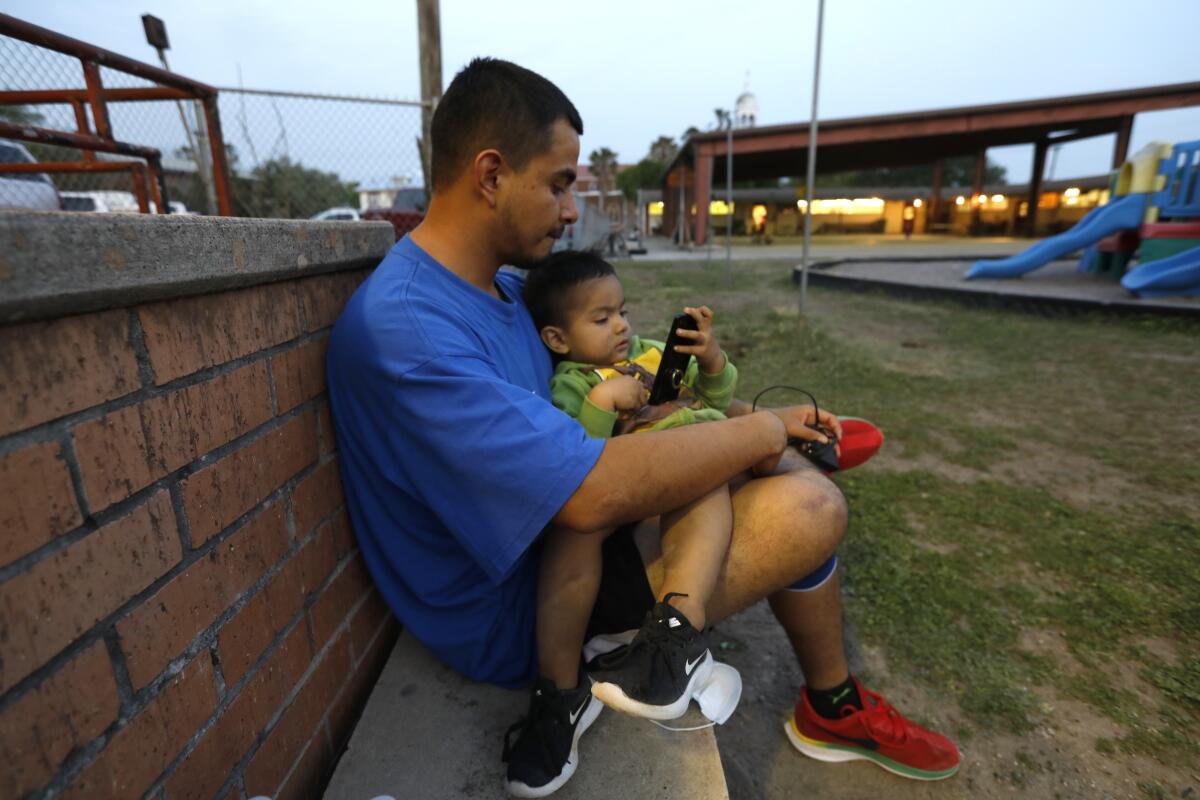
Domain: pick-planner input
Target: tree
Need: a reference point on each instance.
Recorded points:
(603, 163)
(285, 189)
(21, 115)
(691, 131)
(724, 118)
(663, 149)
(647, 174)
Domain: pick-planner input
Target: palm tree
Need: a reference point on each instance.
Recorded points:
(603, 163)
(663, 150)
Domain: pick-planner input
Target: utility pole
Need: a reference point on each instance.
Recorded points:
(812, 160)
(156, 37)
(429, 32)
(729, 197)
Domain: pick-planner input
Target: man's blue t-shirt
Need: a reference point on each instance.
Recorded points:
(452, 456)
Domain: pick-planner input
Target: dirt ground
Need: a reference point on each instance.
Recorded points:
(1059, 758)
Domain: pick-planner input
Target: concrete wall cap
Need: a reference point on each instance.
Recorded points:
(53, 264)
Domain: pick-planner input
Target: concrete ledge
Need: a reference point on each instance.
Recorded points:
(53, 263)
(1055, 288)
(429, 733)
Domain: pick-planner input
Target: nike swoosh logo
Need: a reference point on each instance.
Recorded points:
(575, 714)
(869, 744)
(691, 665)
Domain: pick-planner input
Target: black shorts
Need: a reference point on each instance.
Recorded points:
(625, 595)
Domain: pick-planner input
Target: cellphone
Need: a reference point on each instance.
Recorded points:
(674, 364)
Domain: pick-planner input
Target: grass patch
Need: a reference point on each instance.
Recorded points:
(1040, 475)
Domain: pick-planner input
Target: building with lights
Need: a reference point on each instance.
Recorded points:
(693, 190)
(994, 211)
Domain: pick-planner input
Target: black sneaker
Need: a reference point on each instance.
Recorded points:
(657, 674)
(546, 752)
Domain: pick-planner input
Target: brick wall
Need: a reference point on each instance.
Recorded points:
(183, 609)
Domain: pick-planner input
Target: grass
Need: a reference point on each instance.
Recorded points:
(1041, 477)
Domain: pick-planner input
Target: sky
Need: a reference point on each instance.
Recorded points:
(637, 70)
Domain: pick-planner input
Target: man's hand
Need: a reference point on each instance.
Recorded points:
(619, 393)
(799, 422)
(704, 344)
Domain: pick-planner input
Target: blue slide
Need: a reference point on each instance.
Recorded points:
(1167, 277)
(1121, 214)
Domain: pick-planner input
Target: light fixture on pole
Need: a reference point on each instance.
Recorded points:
(812, 160)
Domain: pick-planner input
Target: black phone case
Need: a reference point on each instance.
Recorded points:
(674, 364)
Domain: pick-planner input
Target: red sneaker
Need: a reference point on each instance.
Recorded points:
(877, 733)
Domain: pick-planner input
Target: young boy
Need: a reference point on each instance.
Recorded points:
(603, 378)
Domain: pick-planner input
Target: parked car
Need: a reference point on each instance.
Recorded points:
(101, 202)
(25, 189)
(406, 213)
(343, 213)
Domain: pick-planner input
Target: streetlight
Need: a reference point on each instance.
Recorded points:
(812, 159)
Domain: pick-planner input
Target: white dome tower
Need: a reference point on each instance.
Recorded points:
(745, 111)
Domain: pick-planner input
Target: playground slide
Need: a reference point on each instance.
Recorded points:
(1121, 214)
(1167, 277)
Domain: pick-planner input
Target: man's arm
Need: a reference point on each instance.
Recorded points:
(645, 474)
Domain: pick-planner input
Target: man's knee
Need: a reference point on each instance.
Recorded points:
(824, 510)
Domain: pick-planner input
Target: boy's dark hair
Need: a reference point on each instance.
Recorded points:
(494, 103)
(548, 288)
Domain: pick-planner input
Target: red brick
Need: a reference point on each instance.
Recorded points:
(58, 599)
(223, 491)
(269, 766)
(334, 605)
(192, 333)
(67, 710)
(316, 497)
(39, 502)
(366, 622)
(323, 297)
(356, 689)
(325, 426)
(138, 753)
(255, 626)
(311, 772)
(207, 767)
(65, 365)
(160, 628)
(130, 448)
(343, 533)
(299, 373)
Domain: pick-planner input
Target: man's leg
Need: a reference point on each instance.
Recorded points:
(785, 526)
(813, 623)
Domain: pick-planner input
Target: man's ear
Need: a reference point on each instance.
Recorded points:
(488, 164)
(555, 338)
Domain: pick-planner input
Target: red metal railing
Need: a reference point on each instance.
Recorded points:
(148, 180)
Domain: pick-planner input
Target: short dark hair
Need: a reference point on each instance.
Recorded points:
(495, 103)
(548, 287)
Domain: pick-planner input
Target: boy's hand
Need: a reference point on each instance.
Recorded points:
(704, 343)
(620, 393)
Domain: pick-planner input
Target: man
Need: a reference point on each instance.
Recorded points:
(454, 460)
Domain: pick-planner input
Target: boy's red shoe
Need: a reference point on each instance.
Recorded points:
(877, 733)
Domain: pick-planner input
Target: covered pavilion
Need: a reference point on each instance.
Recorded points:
(892, 140)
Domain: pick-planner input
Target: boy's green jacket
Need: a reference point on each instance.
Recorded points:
(572, 381)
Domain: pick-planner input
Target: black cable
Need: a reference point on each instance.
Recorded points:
(754, 403)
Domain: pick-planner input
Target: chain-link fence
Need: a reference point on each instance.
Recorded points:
(290, 155)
